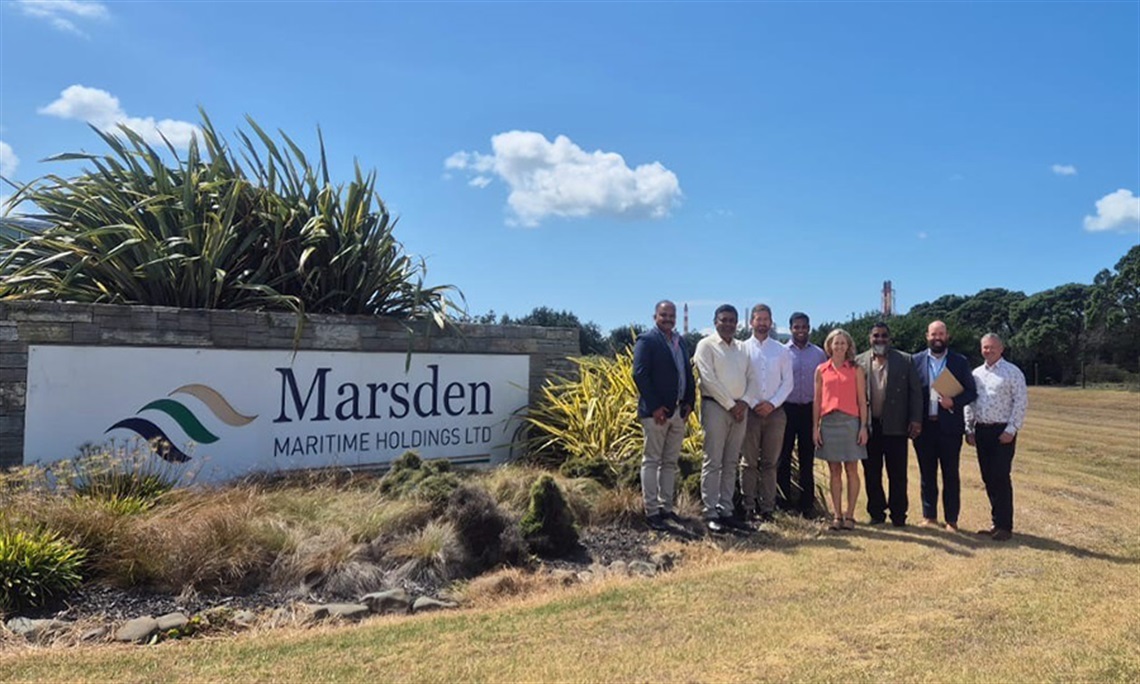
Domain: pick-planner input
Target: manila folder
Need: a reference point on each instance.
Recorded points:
(947, 385)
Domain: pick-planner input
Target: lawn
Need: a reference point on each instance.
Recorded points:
(1061, 602)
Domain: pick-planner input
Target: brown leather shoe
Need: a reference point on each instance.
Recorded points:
(929, 522)
(951, 527)
(1002, 535)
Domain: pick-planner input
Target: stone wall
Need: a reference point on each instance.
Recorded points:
(26, 323)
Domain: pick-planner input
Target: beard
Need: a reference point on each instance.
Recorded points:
(937, 346)
(879, 349)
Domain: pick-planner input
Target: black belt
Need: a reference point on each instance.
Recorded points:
(991, 425)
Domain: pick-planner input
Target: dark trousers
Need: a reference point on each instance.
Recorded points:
(797, 430)
(995, 460)
(935, 450)
(889, 450)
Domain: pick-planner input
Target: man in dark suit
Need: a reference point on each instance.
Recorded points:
(895, 395)
(940, 442)
(663, 373)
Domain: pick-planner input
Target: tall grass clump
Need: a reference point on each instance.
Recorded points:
(36, 566)
(255, 226)
(129, 477)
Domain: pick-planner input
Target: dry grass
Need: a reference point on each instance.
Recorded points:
(1059, 603)
(620, 506)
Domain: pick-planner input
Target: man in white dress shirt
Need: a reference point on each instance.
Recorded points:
(764, 437)
(992, 423)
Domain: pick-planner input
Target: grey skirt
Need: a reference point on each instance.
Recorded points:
(840, 432)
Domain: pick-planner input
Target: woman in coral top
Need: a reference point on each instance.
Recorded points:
(840, 420)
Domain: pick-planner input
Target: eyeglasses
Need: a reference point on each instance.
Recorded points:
(880, 337)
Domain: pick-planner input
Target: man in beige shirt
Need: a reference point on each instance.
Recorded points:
(726, 380)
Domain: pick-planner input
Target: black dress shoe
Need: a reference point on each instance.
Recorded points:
(734, 523)
(988, 532)
(715, 525)
(1002, 535)
(898, 523)
(656, 522)
(878, 521)
(671, 516)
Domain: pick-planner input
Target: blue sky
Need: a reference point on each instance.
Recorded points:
(793, 153)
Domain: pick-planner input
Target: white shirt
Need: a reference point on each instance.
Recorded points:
(772, 369)
(1002, 397)
(726, 372)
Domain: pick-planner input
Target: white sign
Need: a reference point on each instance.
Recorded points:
(229, 413)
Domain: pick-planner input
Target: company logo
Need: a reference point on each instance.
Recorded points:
(191, 426)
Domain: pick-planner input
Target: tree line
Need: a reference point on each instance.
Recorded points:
(1067, 334)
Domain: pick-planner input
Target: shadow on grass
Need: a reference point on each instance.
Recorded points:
(789, 535)
(1044, 544)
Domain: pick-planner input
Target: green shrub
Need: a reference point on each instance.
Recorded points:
(412, 477)
(36, 566)
(548, 525)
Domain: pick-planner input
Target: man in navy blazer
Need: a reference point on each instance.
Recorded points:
(943, 424)
(663, 373)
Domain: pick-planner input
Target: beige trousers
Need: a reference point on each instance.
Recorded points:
(723, 439)
(762, 444)
(659, 462)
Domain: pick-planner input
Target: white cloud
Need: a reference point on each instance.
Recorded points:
(8, 160)
(1064, 169)
(62, 14)
(479, 182)
(1114, 211)
(102, 110)
(561, 179)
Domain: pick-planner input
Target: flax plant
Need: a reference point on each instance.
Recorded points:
(261, 228)
(593, 416)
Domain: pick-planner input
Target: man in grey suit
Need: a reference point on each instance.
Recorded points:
(895, 394)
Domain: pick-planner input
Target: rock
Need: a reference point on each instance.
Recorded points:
(586, 576)
(312, 613)
(618, 567)
(664, 561)
(94, 634)
(564, 577)
(392, 601)
(138, 631)
(243, 618)
(172, 621)
(425, 604)
(34, 630)
(347, 611)
(642, 568)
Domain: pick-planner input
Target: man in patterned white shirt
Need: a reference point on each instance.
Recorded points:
(992, 423)
(726, 383)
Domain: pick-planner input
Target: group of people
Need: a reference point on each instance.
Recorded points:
(763, 400)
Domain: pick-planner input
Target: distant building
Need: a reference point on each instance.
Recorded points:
(888, 299)
(20, 226)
